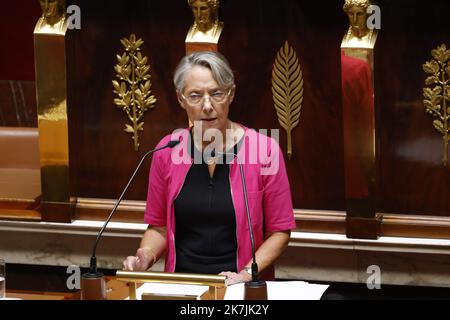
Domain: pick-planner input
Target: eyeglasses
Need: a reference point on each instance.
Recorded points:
(196, 99)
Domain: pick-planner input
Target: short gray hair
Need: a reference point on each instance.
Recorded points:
(214, 61)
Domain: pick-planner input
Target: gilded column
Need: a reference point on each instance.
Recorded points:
(51, 93)
(358, 102)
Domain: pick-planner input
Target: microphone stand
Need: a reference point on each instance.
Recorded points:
(93, 282)
(255, 289)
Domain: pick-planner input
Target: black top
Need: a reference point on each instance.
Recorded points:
(205, 221)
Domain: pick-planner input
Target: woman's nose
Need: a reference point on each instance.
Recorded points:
(207, 105)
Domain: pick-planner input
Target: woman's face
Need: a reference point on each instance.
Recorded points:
(203, 13)
(199, 81)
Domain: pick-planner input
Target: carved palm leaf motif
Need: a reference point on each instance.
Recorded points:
(437, 94)
(287, 91)
(133, 86)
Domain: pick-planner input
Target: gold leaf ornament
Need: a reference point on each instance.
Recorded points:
(287, 91)
(133, 87)
(437, 98)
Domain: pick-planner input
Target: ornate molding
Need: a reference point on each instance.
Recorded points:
(133, 87)
(287, 90)
(437, 94)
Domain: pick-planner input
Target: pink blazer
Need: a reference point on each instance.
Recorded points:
(268, 190)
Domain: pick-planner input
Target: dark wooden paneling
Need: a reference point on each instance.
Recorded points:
(412, 179)
(17, 88)
(255, 34)
(102, 155)
(16, 39)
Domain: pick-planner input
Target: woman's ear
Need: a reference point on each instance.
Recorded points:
(232, 92)
(180, 100)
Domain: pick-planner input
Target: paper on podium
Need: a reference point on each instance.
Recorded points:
(169, 289)
(282, 290)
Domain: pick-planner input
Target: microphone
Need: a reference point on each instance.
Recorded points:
(93, 284)
(255, 289)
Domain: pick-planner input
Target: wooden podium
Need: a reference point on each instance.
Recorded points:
(215, 283)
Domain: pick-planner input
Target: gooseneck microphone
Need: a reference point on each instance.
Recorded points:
(93, 286)
(255, 289)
